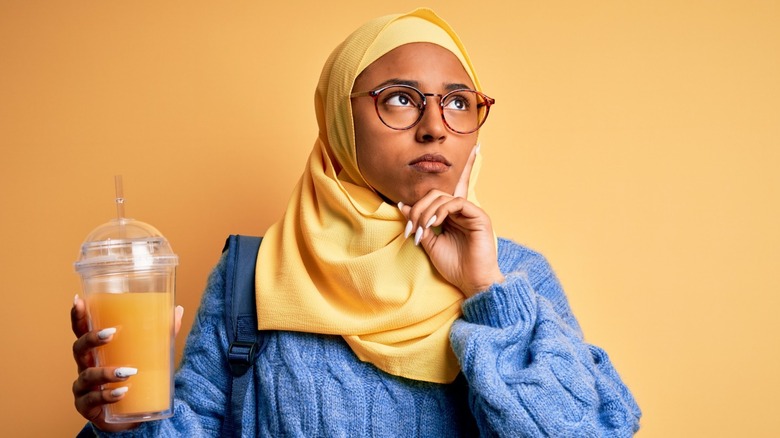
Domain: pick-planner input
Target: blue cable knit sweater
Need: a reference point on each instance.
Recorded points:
(526, 372)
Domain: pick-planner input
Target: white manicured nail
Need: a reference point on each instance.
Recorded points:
(75, 300)
(430, 221)
(125, 371)
(408, 230)
(400, 205)
(479, 145)
(418, 235)
(106, 333)
(116, 392)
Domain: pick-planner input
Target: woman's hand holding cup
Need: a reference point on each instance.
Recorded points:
(89, 398)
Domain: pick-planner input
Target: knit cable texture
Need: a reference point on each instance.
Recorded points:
(526, 373)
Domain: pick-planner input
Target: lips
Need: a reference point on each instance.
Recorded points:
(430, 163)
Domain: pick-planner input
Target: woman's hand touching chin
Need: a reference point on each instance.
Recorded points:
(464, 252)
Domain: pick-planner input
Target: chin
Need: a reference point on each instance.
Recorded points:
(412, 197)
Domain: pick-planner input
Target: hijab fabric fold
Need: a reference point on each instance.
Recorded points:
(337, 262)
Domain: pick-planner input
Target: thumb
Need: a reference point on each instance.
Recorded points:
(178, 312)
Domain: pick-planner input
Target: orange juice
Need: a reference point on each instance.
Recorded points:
(144, 323)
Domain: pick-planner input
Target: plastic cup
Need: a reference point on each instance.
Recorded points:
(128, 275)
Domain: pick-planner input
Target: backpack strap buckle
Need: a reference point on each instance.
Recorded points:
(241, 356)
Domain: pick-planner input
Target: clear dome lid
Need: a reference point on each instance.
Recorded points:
(125, 243)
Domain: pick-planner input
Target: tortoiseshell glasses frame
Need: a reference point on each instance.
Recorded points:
(466, 109)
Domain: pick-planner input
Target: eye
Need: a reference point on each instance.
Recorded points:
(399, 98)
(457, 102)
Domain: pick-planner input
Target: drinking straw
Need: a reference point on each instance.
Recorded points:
(120, 200)
(120, 206)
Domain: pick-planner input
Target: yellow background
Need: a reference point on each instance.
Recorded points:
(634, 143)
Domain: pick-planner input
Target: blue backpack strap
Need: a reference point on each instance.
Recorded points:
(241, 323)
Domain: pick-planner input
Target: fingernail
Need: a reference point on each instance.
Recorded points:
(430, 221)
(418, 235)
(125, 371)
(106, 333)
(179, 311)
(408, 230)
(479, 145)
(400, 205)
(116, 392)
(75, 300)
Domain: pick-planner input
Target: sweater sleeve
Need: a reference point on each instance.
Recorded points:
(529, 371)
(202, 379)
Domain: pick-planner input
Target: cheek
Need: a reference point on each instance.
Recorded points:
(362, 144)
(362, 135)
(465, 147)
(371, 137)
(372, 159)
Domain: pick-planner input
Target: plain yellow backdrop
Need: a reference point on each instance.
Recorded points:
(635, 143)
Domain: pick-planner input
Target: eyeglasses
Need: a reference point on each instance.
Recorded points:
(402, 107)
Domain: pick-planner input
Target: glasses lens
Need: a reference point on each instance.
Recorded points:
(399, 107)
(464, 110)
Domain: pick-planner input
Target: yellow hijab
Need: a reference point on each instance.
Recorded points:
(337, 263)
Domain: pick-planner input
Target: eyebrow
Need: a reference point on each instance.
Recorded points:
(398, 81)
(416, 84)
(450, 87)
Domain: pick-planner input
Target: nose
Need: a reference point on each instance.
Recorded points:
(431, 128)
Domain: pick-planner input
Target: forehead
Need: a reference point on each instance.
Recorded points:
(423, 62)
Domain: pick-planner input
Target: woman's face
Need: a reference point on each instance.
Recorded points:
(405, 165)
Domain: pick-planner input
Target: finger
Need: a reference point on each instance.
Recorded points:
(414, 212)
(457, 209)
(434, 215)
(440, 211)
(420, 213)
(82, 347)
(405, 209)
(90, 405)
(426, 213)
(78, 317)
(94, 377)
(460, 215)
(177, 314)
(462, 188)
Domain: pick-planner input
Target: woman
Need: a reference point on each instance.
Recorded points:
(390, 308)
